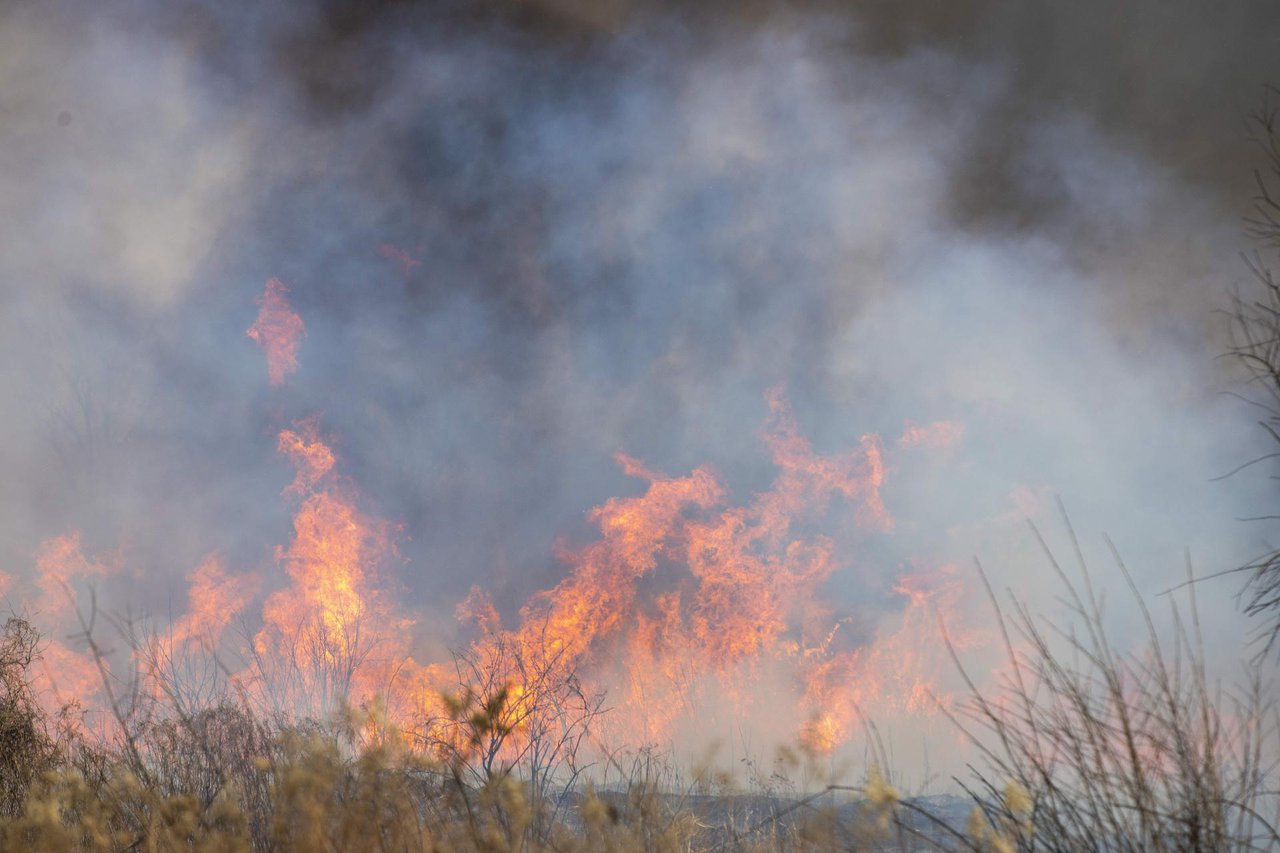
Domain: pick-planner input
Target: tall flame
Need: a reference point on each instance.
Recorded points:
(330, 636)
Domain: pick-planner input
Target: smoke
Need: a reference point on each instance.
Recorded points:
(525, 237)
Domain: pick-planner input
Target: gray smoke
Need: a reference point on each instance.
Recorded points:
(629, 223)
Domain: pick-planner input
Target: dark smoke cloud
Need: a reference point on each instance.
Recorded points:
(630, 222)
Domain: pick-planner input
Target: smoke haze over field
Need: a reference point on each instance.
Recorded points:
(524, 237)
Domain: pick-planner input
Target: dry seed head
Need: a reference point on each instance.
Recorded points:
(1017, 799)
(878, 790)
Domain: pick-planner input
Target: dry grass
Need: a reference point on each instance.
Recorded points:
(1082, 748)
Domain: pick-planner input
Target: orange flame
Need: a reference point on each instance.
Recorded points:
(899, 673)
(693, 596)
(312, 457)
(65, 675)
(332, 628)
(277, 330)
(176, 663)
(213, 600)
(399, 256)
(684, 602)
(939, 435)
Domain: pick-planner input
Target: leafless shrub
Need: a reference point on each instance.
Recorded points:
(1086, 747)
(27, 747)
(1254, 316)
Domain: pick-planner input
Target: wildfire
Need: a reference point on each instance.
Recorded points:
(309, 454)
(683, 599)
(686, 600)
(331, 634)
(66, 675)
(213, 600)
(278, 331)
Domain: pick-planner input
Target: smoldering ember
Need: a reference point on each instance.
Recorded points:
(622, 424)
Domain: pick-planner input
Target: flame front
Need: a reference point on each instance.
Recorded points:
(683, 601)
(687, 606)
